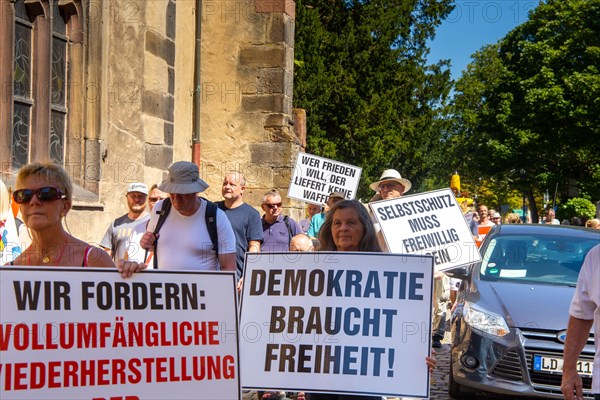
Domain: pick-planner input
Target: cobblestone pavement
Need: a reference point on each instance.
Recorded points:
(439, 378)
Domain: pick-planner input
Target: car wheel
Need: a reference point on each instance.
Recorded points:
(455, 390)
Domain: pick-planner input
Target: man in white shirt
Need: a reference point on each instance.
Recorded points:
(184, 241)
(584, 312)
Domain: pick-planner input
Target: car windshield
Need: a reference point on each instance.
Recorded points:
(541, 259)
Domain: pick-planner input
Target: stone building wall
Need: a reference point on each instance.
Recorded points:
(134, 92)
(247, 85)
(140, 57)
(132, 63)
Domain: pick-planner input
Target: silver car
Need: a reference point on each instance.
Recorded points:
(509, 326)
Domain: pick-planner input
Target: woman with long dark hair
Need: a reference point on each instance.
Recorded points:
(348, 227)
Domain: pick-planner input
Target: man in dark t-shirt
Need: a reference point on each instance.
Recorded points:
(244, 219)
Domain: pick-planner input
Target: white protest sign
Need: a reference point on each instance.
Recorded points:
(316, 177)
(71, 333)
(429, 223)
(355, 323)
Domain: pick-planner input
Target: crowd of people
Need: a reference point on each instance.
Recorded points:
(172, 219)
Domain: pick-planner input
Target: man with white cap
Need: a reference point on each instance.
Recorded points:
(116, 240)
(184, 240)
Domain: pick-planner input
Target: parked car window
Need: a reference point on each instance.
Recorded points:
(542, 259)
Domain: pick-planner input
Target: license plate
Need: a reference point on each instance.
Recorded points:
(555, 364)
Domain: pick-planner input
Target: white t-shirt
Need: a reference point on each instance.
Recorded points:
(184, 242)
(134, 250)
(586, 303)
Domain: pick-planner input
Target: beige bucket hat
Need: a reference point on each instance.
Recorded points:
(183, 178)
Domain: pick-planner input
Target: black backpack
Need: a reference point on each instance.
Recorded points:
(210, 216)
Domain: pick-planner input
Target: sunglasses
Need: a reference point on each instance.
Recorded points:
(272, 206)
(43, 194)
(389, 186)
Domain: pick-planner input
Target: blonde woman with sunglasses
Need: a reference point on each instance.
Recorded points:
(45, 195)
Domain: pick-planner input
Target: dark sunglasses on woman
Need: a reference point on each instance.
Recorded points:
(47, 193)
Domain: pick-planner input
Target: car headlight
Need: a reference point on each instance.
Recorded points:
(485, 321)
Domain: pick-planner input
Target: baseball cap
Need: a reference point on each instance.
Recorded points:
(137, 187)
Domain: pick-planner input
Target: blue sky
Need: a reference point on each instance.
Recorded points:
(473, 24)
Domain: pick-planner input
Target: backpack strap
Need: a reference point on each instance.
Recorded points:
(164, 212)
(211, 224)
(286, 221)
(210, 217)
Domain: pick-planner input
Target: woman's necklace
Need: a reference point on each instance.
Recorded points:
(46, 258)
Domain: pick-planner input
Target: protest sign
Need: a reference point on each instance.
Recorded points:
(428, 223)
(314, 178)
(482, 233)
(355, 323)
(90, 334)
(10, 246)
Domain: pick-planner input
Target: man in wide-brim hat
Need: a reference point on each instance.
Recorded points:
(185, 242)
(391, 185)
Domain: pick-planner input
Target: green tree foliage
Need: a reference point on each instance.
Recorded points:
(577, 207)
(526, 110)
(495, 194)
(361, 74)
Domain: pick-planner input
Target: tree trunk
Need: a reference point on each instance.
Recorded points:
(532, 205)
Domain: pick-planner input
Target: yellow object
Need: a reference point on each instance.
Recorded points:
(464, 201)
(455, 182)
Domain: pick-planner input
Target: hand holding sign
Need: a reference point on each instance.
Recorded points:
(428, 223)
(321, 318)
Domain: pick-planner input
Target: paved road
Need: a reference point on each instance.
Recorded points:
(439, 380)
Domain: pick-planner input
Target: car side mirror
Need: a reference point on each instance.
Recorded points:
(463, 273)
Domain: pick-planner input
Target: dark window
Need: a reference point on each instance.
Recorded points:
(20, 140)
(37, 95)
(59, 81)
